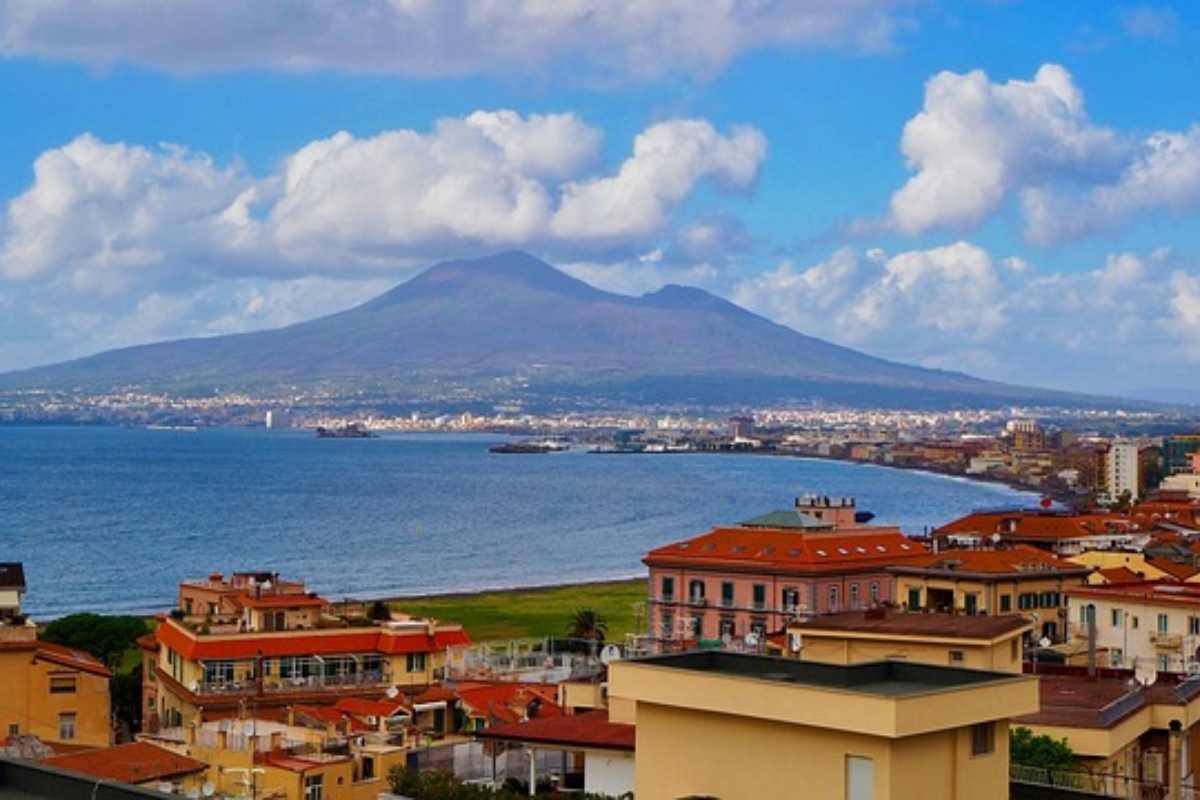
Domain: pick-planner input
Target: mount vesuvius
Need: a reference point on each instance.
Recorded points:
(511, 325)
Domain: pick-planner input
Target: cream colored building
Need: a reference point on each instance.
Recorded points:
(976, 642)
(738, 726)
(1155, 625)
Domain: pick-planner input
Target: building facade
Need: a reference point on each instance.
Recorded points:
(754, 578)
(1152, 624)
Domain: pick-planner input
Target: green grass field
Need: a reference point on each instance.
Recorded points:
(534, 612)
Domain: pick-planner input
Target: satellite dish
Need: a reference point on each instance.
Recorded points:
(796, 642)
(165, 787)
(609, 654)
(751, 639)
(195, 686)
(996, 537)
(266, 585)
(1145, 675)
(392, 692)
(1045, 641)
(208, 790)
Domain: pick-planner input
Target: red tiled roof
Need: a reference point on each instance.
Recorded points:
(507, 701)
(1119, 575)
(1033, 524)
(137, 762)
(1179, 572)
(789, 550)
(69, 657)
(436, 694)
(331, 715)
(345, 640)
(1017, 559)
(293, 763)
(1160, 592)
(591, 729)
(900, 623)
(368, 708)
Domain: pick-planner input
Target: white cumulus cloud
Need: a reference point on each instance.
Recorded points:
(433, 38)
(976, 144)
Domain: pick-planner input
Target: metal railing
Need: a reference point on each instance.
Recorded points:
(306, 683)
(1100, 784)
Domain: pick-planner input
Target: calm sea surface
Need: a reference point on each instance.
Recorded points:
(110, 519)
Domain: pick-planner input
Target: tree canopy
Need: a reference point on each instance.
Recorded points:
(1039, 751)
(587, 623)
(105, 637)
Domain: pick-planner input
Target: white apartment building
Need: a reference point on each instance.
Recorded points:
(1147, 624)
(1121, 470)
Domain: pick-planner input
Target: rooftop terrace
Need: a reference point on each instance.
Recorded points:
(880, 678)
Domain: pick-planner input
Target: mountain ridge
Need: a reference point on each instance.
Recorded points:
(512, 323)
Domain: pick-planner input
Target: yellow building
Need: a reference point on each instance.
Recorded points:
(1006, 580)
(737, 726)
(55, 693)
(957, 640)
(1128, 740)
(284, 649)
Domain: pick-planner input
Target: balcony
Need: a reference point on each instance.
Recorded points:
(699, 602)
(1167, 641)
(297, 684)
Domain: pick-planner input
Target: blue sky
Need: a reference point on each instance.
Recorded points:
(192, 179)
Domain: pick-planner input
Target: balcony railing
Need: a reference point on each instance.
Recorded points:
(1169, 641)
(307, 683)
(697, 601)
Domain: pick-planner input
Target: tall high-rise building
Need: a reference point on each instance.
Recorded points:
(1121, 471)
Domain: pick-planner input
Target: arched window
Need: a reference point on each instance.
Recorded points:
(874, 593)
(833, 598)
(696, 590)
(854, 595)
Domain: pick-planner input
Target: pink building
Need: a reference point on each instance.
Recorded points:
(772, 569)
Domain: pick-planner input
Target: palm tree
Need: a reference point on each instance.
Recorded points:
(586, 623)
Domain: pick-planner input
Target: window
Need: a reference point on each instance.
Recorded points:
(14, 729)
(1027, 601)
(697, 624)
(1116, 617)
(66, 727)
(1162, 664)
(1163, 623)
(668, 589)
(760, 595)
(971, 603)
(1116, 656)
(218, 672)
(791, 599)
(874, 593)
(854, 595)
(956, 656)
(1194, 626)
(64, 684)
(415, 662)
(914, 598)
(983, 738)
(1087, 614)
(727, 627)
(860, 778)
(727, 593)
(667, 631)
(758, 626)
(696, 591)
(1133, 622)
(314, 787)
(1005, 603)
(833, 598)
(368, 769)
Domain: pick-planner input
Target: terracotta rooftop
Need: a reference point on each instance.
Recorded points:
(507, 701)
(591, 729)
(1072, 699)
(369, 708)
(1180, 572)
(900, 623)
(137, 762)
(1014, 560)
(70, 657)
(1119, 575)
(789, 550)
(1034, 524)
(1160, 592)
(319, 642)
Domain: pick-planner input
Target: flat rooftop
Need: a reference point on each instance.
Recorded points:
(879, 678)
(901, 623)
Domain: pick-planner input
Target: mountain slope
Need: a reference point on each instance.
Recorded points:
(511, 317)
